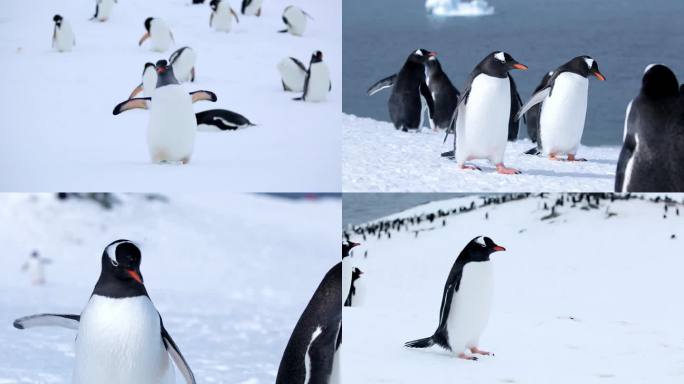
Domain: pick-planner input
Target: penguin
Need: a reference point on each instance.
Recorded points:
(222, 14)
(251, 7)
(149, 82)
(311, 352)
(564, 107)
(35, 268)
(651, 157)
(466, 301)
(317, 84)
(356, 274)
(103, 9)
(121, 317)
(444, 94)
(62, 35)
(221, 119)
(347, 268)
(295, 20)
(159, 34)
(172, 125)
(532, 115)
(516, 104)
(183, 62)
(292, 74)
(410, 92)
(482, 117)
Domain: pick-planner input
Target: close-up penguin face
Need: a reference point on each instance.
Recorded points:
(586, 65)
(122, 258)
(480, 248)
(58, 20)
(421, 55)
(499, 63)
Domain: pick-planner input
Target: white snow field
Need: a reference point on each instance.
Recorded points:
(579, 299)
(378, 158)
(58, 131)
(230, 274)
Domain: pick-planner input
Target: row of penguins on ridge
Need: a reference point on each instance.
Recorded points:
(173, 124)
(487, 114)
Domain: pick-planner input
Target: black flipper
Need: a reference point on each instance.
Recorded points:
(306, 86)
(382, 84)
(48, 320)
(516, 104)
(176, 355)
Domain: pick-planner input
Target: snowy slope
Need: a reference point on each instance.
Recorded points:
(377, 157)
(230, 275)
(579, 299)
(58, 131)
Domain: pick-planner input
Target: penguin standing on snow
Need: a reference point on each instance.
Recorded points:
(159, 34)
(295, 20)
(310, 354)
(532, 115)
(62, 35)
(251, 7)
(444, 94)
(103, 9)
(222, 14)
(410, 92)
(356, 274)
(183, 62)
(119, 317)
(292, 74)
(564, 107)
(653, 150)
(483, 113)
(172, 125)
(466, 301)
(317, 84)
(347, 268)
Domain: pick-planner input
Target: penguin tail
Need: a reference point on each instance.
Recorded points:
(533, 151)
(420, 343)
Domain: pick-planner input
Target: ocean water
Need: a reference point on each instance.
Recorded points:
(624, 36)
(359, 208)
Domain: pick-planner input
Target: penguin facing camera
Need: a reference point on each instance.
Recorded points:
(183, 64)
(63, 39)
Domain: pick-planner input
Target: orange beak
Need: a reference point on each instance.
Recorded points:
(599, 76)
(498, 248)
(519, 66)
(135, 276)
(431, 54)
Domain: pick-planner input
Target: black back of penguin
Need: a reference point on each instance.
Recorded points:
(534, 114)
(404, 104)
(444, 92)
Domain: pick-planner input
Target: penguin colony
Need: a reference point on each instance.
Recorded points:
(173, 123)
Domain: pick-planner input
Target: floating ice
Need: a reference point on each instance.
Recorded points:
(459, 7)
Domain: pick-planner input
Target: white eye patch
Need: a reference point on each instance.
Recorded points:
(589, 61)
(480, 240)
(500, 56)
(111, 252)
(648, 67)
(418, 52)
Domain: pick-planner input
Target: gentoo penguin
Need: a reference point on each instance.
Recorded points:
(444, 94)
(159, 34)
(292, 74)
(310, 354)
(564, 107)
(466, 301)
(62, 35)
(35, 268)
(222, 14)
(221, 119)
(653, 150)
(120, 318)
(356, 274)
(410, 92)
(183, 62)
(103, 9)
(347, 268)
(149, 82)
(482, 116)
(317, 84)
(295, 20)
(532, 115)
(251, 7)
(172, 124)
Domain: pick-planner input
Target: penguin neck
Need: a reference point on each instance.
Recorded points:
(110, 286)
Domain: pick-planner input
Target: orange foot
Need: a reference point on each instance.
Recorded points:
(500, 168)
(478, 351)
(466, 357)
(572, 157)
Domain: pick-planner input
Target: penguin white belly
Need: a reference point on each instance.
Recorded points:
(64, 37)
(484, 124)
(297, 21)
(104, 9)
(172, 127)
(223, 20)
(470, 306)
(160, 36)
(563, 114)
(119, 341)
(183, 65)
(293, 76)
(319, 82)
(253, 7)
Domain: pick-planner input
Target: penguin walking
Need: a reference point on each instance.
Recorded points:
(35, 266)
(292, 74)
(317, 84)
(356, 274)
(121, 317)
(295, 20)
(222, 120)
(466, 301)
(410, 92)
(652, 153)
(103, 9)
(482, 116)
(311, 353)
(159, 34)
(251, 7)
(443, 92)
(563, 111)
(222, 15)
(62, 35)
(173, 124)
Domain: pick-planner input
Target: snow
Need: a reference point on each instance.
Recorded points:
(230, 274)
(58, 127)
(579, 299)
(379, 158)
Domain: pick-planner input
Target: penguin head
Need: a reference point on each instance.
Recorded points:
(347, 246)
(479, 249)
(421, 56)
(121, 258)
(214, 4)
(161, 65)
(148, 24)
(165, 74)
(148, 65)
(58, 20)
(499, 63)
(585, 66)
(356, 273)
(659, 81)
(317, 57)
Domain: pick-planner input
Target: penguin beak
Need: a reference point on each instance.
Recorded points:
(352, 244)
(134, 275)
(599, 76)
(519, 66)
(498, 248)
(432, 54)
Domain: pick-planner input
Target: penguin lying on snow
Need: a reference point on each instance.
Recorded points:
(159, 34)
(119, 317)
(311, 353)
(103, 9)
(563, 95)
(653, 150)
(251, 7)
(172, 124)
(292, 74)
(222, 14)
(356, 274)
(295, 20)
(62, 35)
(466, 301)
(317, 84)
(183, 64)
(222, 119)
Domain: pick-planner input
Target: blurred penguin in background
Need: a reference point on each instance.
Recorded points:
(35, 269)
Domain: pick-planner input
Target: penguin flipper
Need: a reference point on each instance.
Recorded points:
(516, 103)
(299, 63)
(235, 15)
(138, 102)
(534, 100)
(176, 355)
(48, 320)
(203, 95)
(382, 84)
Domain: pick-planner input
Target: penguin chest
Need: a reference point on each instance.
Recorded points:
(470, 306)
(319, 83)
(292, 75)
(563, 114)
(160, 36)
(172, 127)
(119, 341)
(64, 39)
(222, 18)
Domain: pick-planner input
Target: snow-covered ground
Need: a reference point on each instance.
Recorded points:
(377, 157)
(58, 131)
(582, 298)
(230, 275)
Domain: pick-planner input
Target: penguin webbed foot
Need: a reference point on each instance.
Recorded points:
(478, 351)
(470, 167)
(502, 169)
(572, 157)
(467, 357)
